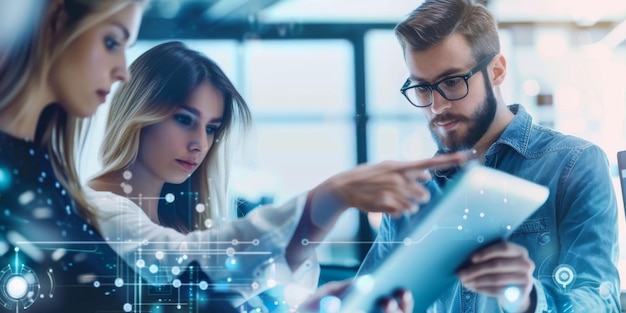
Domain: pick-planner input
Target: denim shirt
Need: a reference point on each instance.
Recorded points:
(572, 238)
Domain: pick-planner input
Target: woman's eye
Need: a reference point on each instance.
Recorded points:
(183, 119)
(210, 129)
(110, 43)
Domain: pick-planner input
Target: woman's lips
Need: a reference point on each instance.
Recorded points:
(102, 95)
(186, 165)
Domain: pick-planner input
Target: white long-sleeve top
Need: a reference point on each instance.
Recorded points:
(246, 256)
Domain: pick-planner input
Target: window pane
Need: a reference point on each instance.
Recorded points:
(300, 77)
(393, 139)
(301, 93)
(287, 158)
(385, 73)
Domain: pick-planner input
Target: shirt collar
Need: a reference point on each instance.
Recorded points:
(517, 134)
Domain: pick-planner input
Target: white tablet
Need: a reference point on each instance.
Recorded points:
(479, 206)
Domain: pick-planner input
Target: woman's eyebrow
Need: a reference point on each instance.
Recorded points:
(197, 113)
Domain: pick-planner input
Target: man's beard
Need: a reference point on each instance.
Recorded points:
(478, 124)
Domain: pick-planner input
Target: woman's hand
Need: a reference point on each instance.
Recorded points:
(392, 186)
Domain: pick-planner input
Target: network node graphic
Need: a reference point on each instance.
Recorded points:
(21, 287)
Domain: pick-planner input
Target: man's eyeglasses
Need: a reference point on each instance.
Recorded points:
(451, 88)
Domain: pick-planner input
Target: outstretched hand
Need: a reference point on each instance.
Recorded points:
(392, 186)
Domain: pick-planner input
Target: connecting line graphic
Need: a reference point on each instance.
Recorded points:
(406, 241)
(51, 292)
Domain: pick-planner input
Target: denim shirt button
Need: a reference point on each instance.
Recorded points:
(544, 238)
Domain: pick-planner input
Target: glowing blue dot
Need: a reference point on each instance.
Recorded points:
(208, 223)
(203, 285)
(127, 307)
(96, 284)
(176, 283)
(330, 304)
(16, 287)
(119, 282)
(365, 283)
(5, 179)
(271, 283)
(175, 270)
(231, 263)
(512, 293)
(170, 197)
(140, 263)
(153, 269)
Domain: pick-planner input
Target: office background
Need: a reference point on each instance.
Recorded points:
(322, 78)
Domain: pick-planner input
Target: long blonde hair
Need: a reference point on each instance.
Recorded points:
(160, 81)
(29, 69)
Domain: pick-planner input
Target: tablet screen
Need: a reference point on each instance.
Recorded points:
(479, 206)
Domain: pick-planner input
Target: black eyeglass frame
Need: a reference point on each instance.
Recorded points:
(479, 67)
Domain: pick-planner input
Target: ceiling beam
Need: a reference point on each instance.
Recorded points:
(236, 11)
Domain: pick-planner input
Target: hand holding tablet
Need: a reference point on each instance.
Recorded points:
(479, 207)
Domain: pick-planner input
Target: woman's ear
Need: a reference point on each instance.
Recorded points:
(498, 70)
(57, 16)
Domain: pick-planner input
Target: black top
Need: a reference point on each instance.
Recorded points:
(52, 260)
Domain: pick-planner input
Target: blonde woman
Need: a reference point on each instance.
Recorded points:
(52, 79)
(172, 120)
